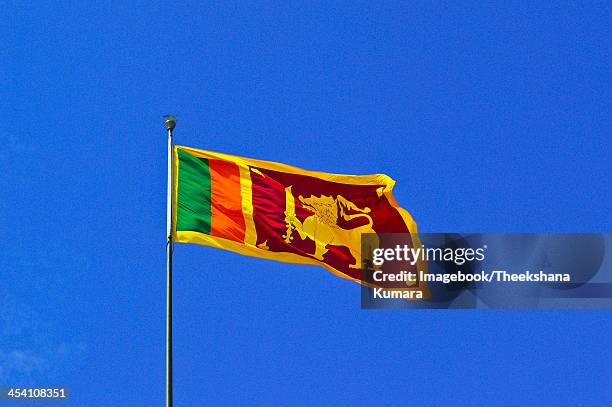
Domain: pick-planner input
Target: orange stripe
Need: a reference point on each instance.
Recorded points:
(226, 202)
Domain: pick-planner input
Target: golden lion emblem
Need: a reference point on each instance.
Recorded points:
(322, 226)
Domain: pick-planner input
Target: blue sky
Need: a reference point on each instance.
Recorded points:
(491, 117)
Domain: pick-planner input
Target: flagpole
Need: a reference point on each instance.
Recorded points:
(169, 123)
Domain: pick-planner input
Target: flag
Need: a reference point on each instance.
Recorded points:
(280, 212)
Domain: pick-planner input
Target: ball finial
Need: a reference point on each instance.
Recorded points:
(169, 122)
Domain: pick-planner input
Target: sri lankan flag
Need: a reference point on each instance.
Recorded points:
(279, 212)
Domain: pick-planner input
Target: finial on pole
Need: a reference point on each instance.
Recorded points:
(169, 122)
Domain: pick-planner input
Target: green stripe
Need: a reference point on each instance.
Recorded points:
(193, 209)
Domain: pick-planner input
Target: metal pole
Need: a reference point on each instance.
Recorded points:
(170, 123)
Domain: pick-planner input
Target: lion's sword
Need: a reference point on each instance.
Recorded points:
(289, 214)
